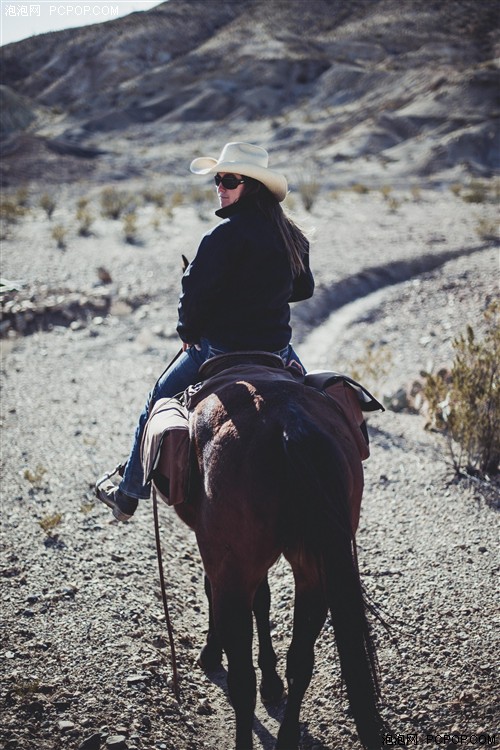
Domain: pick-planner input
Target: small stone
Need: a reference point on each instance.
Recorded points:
(135, 679)
(204, 707)
(116, 742)
(146, 722)
(104, 275)
(65, 726)
(91, 743)
(62, 704)
(35, 707)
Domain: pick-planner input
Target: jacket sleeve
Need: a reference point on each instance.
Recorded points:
(303, 284)
(203, 285)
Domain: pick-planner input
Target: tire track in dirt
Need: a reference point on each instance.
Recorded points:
(353, 289)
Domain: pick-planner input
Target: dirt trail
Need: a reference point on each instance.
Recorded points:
(84, 646)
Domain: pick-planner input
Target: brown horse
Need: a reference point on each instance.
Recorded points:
(278, 471)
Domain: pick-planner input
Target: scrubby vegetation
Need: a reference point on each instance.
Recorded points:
(114, 203)
(465, 403)
(48, 204)
(309, 189)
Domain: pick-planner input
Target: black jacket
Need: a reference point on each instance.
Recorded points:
(236, 291)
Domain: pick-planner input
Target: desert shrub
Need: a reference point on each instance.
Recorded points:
(360, 188)
(130, 227)
(466, 405)
(114, 202)
(22, 196)
(84, 218)
(50, 522)
(87, 507)
(36, 476)
(48, 203)
(487, 229)
(11, 211)
(477, 193)
(309, 188)
(25, 687)
(176, 200)
(393, 204)
(155, 196)
(59, 233)
(373, 366)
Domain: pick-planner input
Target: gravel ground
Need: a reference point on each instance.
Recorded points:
(85, 658)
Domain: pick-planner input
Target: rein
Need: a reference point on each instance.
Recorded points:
(164, 599)
(162, 578)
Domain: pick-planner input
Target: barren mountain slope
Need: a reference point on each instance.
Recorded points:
(412, 86)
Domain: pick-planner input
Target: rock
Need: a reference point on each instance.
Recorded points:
(146, 723)
(34, 708)
(91, 743)
(204, 708)
(61, 704)
(104, 275)
(397, 401)
(135, 679)
(65, 725)
(116, 742)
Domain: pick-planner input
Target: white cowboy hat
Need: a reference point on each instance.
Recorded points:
(247, 160)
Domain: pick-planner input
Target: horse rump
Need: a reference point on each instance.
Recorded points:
(319, 521)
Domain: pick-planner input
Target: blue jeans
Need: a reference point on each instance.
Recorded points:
(177, 377)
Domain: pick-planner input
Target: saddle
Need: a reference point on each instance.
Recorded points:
(165, 444)
(218, 372)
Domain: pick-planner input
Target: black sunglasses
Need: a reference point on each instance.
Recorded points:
(229, 181)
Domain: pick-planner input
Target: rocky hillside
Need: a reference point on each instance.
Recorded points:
(401, 88)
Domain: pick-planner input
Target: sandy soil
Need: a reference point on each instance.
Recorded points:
(85, 657)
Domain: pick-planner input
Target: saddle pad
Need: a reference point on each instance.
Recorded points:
(165, 450)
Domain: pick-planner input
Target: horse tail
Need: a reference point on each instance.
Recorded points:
(319, 521)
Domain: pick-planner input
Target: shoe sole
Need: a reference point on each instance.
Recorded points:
(117, 513)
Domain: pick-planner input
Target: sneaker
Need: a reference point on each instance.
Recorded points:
(123, 506)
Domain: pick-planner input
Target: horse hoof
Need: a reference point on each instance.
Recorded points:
(210, 659)
(288, 739)
(272, 689)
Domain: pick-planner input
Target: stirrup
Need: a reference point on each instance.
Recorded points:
(119, 469)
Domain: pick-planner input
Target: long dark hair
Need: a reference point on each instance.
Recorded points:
(295, 241)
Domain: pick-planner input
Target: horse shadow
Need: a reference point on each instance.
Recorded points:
(275, 711)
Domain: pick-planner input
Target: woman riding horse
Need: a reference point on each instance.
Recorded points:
(235, 293)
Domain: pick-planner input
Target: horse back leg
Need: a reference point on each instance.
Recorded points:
(309, 616)
(211, 653)
(232, 611)
(271, 686)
